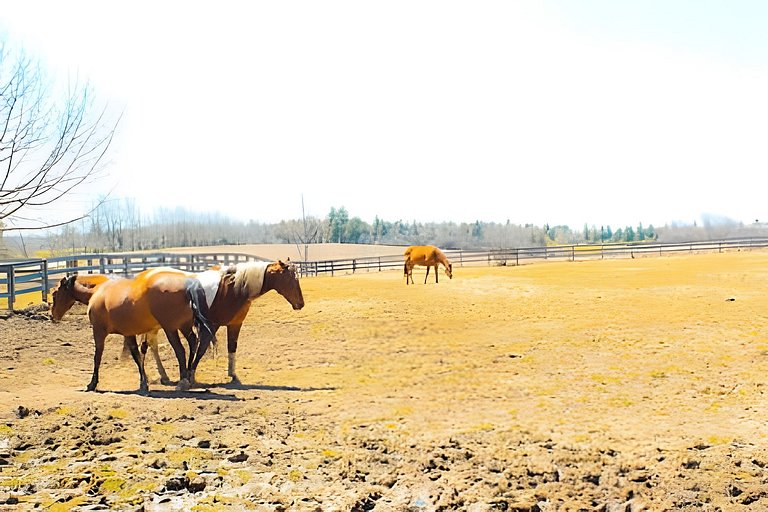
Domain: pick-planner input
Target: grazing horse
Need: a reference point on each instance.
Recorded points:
(153, 299)
(425, 256)
(239, 286)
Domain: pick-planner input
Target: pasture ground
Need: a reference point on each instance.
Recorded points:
(600, 385)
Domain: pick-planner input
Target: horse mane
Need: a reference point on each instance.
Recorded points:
(248, 278)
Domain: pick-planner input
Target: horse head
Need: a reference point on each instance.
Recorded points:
(286, 282)
(449, 270)
(63, 297)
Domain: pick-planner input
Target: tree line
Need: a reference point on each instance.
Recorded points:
(118, 225)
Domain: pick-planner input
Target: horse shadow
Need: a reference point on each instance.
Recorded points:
(239, 386)
(196, 394)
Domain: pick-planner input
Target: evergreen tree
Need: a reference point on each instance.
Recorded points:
(477, 230)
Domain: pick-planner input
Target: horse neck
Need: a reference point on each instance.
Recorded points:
(442, 259)
(83, 294)
(268, 284)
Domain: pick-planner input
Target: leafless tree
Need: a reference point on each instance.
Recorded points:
(49, 147)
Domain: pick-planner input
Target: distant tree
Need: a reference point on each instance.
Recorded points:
(629, 234)
(378, 230)
(49, 146)
(337, 222)
(477, 230)
(640, 232)
(357, 232)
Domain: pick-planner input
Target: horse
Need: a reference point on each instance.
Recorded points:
(153, 299)
(239, 286)
(80, 288)
(425, 256)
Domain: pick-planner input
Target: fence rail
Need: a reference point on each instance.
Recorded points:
(20, 277)
(517, 256)
(31, 276)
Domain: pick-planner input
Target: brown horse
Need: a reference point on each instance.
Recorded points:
(240, 285)
(80, 288)
(425, 256)
(154, 299)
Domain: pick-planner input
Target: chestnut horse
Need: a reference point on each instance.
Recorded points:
(153, 299)
(425, 256)
(240, 285)
(80, 288)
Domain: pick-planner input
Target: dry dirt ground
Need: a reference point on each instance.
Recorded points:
(602, 386)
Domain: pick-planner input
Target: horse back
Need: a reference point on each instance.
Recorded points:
(422, 254)
(122, 306)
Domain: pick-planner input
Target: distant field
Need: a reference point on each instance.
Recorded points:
(283, 251)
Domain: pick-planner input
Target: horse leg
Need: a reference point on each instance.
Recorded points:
(130, 341)
(99, 335)
(426, 276)
(194, 346)
(233, 333)
(181, 357)
(152, 342)
(436, 272)
(205, 340)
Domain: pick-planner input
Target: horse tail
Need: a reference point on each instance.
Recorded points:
(196, 296)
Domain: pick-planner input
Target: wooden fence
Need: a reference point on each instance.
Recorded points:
(31, 276)
(519, 256)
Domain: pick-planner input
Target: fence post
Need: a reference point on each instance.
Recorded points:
(573, 253)
(45, 281)
(11, 287)
(354, 265)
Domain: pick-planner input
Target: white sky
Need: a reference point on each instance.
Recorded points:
(558, 112)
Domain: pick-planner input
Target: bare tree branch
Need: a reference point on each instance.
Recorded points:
(49, 146)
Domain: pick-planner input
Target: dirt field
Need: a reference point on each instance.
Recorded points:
(316, 252)
(619, 385)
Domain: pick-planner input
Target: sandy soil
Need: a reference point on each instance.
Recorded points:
(618, 385)
(316, 252)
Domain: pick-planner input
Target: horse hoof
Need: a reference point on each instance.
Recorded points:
(183, 385)
(90, 387)
(166, 382)
(144, 391)
(235, 380)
